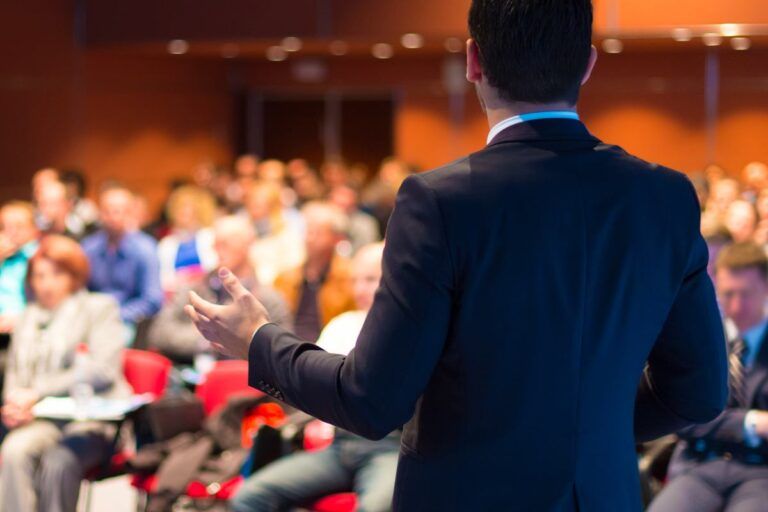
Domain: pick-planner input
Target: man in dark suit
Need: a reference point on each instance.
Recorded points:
(723, 465)
(524, 289)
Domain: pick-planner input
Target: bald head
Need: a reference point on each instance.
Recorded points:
(233, 236)
(53, 203)
(366, 274)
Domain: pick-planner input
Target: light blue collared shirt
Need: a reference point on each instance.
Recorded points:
(753, 339)
(533, 116)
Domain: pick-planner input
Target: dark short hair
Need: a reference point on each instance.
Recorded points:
(533, 51)
(743, 256)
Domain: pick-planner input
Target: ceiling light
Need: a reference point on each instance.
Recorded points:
(730, 29)
(412, 41)
(291, 44)
(276, 54)
(741, 43)
(613, 46)
(712, 39)
(383, 51)
(682, 35)
(338, 48)
(178, 47)
(454, 45)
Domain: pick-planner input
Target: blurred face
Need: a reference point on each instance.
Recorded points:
(42, 178)
(762, 204)
(756, 175)
(258, 203)
(186, 216)
(118, 213)
(53, 203)
(742, 294)
(741, 221)
(247, 166)
(724, 192)
(335, 174)
(321, 239)
(50, 283)
(272, 171)
(232, 248)
(17, 226)
(366, 274)
(344, 197)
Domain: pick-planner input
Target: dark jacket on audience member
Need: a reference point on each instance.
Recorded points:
(524, 288)
(725, 436)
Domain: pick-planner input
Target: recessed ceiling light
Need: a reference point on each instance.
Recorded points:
(412, 41)
(454, 45)
(338, 48)
(741, 43)
(613, 46)
(178, 47)
(383, 51)
(276, 54)
(291, 44)
(712, 39)
(682, 35)
(730, 29)
(230, 51)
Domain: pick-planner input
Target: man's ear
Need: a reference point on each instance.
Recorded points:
(590, 65)
(474, 68)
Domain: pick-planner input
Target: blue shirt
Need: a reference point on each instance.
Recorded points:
(13, 272)
(130, 272)
(753, 339)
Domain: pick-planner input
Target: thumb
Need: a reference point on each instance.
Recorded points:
(232, 284)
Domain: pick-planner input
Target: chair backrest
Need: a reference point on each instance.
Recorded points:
(227, 378)
(146, 372)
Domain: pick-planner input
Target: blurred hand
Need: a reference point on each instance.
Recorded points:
(761, 423)
(6, 323)
(17, 410)
(229, 328)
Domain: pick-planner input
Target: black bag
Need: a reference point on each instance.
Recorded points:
(168, 417)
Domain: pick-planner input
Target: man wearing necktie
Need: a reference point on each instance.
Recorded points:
(723, 465)
(527, 289)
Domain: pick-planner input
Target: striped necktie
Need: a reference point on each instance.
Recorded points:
(736, 356)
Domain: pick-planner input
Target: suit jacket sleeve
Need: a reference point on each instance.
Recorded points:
(374, 389)
(726, 428)
(686, 378)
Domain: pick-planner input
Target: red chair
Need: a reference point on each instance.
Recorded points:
(226, 379)
(145, 372)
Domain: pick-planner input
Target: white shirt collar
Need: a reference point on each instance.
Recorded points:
(533, 116)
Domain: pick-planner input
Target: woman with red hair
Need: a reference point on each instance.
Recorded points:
(43, 461)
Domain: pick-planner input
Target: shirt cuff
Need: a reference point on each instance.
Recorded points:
(751, 438)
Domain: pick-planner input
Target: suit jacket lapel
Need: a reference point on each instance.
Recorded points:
(759, 370)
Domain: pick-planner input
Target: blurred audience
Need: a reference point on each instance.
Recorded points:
(18, 242)
(44, 461)
(319, 289)
(305, 181)
(280, 232)
(55, 212)
(350, 463)
(363, 227)
(723, 465)
(379, 197)
(82, 207)
(186, 253)
(741, 220)
(173, 333)
(123, 260)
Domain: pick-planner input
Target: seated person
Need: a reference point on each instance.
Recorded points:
(186, 253)
(18, 242)
(174, 334)
(723, 465)
(351, 463)
(319, 290)
(55, 214)
(123, 260)
(44, 461)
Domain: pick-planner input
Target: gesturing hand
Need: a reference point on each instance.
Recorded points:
(229, 328)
